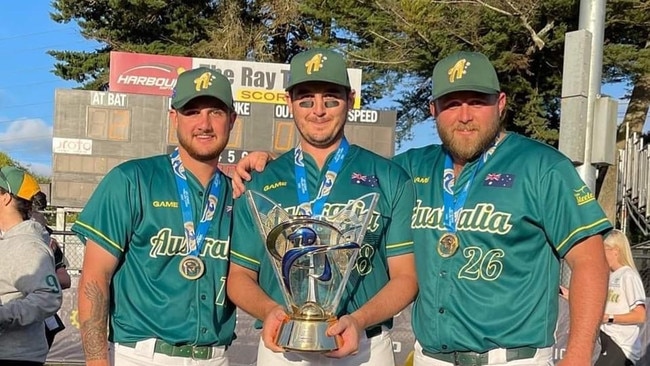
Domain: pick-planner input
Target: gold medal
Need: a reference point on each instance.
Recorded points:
(447, 245)
(191, 267)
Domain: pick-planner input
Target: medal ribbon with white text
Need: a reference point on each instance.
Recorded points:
(194, 239)
(453, 206)
(333, 168)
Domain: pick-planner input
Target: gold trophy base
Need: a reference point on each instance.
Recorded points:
(307, 336)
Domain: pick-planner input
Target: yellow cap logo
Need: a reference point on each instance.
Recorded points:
(315, 63)
(203, 81)
(458, 70)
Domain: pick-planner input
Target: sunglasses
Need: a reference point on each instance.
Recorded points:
(4, 178)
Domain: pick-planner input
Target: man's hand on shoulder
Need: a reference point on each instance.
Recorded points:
(255, 160)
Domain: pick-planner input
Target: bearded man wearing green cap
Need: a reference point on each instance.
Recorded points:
(157, 233)
(496, 214)
(333, 173)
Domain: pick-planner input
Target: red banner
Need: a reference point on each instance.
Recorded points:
(145, 74)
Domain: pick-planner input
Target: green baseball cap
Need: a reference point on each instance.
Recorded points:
(201, 82)
(18, 182)
(464, 71)
(318, 64)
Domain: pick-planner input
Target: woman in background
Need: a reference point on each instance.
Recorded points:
(29, 290)
(625, 309)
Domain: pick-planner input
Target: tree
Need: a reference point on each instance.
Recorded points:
(395, 42)
(167, 27)
(6, 160)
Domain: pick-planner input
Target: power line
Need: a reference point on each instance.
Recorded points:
(17, 86)
(26, 105)
(27, 35)
(41, 117)
(40, 48)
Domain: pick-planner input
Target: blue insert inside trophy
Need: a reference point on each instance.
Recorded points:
(312, 257)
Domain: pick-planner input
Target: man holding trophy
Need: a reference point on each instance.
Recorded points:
(321, 250)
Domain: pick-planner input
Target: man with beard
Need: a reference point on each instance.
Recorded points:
(319, 177)
(496, 212)
(156, 232)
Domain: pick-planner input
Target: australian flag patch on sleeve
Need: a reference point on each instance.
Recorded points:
(364, 180)
(502, 180)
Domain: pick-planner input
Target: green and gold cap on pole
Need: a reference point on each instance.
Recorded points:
(201, 82)
(18, 182)
(464, 71)
(318, 64)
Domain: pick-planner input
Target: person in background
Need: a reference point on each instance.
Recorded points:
(29, 290)
(54, 324)
(625, 310)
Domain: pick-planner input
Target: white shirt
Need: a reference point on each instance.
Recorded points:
(624, 294)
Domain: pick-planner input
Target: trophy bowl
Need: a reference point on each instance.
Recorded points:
(312, 258)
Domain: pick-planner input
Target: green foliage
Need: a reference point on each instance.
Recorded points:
(171, 27)
(395, 42)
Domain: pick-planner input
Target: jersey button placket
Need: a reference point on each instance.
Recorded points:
(444, 289)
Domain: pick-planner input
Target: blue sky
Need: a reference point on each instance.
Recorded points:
(27, 83)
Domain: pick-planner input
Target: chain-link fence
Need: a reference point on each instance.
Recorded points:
(72, 247)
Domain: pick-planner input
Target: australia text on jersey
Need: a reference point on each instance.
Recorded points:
(332, 209)
(482, 217)
(166, 244)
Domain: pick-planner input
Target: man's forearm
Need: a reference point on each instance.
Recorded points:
(248, 296)
(586, 304)
(390, 300)
(93, 318)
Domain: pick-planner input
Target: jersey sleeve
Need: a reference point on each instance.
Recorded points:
(569, 211)
(108, 217)
(633, 288)
(403, 161)
(247, 245)
(399, 235)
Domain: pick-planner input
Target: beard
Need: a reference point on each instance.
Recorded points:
(464, 149)
(206, 156)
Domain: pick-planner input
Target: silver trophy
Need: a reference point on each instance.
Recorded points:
(312, 257)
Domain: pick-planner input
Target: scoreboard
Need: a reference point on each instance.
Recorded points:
(95, 131)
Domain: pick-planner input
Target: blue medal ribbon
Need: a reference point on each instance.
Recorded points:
(453, 206)
(333, 168)
(194, 239)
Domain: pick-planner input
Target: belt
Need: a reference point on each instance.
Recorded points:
(479, 359)
(162, 347)
(373, 331)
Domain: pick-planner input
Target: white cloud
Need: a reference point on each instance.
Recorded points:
(38, 168)
(29, 141)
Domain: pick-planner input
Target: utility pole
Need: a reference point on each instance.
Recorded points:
(587, 119)
(586, 137)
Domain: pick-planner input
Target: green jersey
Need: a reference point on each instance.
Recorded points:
(135, 215)
(525, 208)
(362, 172)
